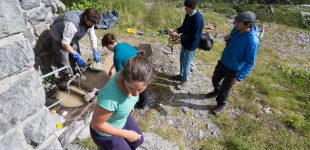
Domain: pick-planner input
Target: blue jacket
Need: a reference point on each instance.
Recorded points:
(239, 54)
(191, 28)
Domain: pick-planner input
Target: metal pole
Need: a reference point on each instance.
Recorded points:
(56, 71)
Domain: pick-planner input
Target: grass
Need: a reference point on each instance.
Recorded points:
(283, 14)
(88, 144)
(272, 82)
(136, 13)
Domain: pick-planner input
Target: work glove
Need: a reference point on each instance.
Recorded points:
(97, 57)
(79, 59)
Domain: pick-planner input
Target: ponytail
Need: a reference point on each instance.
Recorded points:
(108, 39)
(140, 53)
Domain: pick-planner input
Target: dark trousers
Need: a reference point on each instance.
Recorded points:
(227, 75)
(115, 142)
(143, 99)
(62, 58)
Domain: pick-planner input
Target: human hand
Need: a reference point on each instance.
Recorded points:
(236, 81)
(227, 37)
(79, 59)
(97, 57)
(112, 72)
(174, 34)
(132, 136)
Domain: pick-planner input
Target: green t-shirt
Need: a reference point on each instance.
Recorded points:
(112, 98)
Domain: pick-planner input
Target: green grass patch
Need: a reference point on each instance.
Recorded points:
(283, 14)
(136, 13)
(274, 83)
(88, 143)
(172, 134)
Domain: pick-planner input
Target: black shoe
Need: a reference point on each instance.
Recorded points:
(218, 109)
(182, 85)
(176, 77)
(141, 104)
(212, 94)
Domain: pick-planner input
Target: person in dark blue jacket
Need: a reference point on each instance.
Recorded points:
(237, 59)
(190, 33)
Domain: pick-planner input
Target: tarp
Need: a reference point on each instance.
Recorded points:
(107, 20)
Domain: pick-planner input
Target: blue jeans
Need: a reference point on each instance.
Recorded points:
(186, 57)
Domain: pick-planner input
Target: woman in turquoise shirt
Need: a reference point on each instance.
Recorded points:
(112, 127)
(122, 52)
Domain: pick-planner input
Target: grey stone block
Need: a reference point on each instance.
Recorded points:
(85, 133)
(12, 18)
(52, 4)
(50, 15)
(29, 4)
(11, 141)
(54, 17)
(29, 33)
(47, 3)
(40, 28)
(16, 55)
(54, 8)
(71, 133)
(20, 96)
(60, 5)
(41, 127)
(52, 144)
(37, 15)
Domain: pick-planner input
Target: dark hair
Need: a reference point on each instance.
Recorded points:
(92, 15)
(190, 3)
(138, 68)
(107, 39)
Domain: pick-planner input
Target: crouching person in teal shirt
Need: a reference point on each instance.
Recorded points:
(122, 52)
(112, 126)
(237, 59)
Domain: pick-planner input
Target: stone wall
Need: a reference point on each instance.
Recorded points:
(25, 122)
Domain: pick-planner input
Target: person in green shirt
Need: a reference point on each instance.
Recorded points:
(122, 52)
(112, 126)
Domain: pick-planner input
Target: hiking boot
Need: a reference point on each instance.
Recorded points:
(176, 77)
(182, 85)
(218, 109)
(212, 94)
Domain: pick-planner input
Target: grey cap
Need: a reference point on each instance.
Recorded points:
(246, 16)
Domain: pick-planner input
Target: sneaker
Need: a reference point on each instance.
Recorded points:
(212, 94)
(218, 109)
(181, 86)
(176, 77)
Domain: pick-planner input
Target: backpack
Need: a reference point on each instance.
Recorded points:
(206, 41)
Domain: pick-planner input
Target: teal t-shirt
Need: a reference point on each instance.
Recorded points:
(112, 98)
(122, 52)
